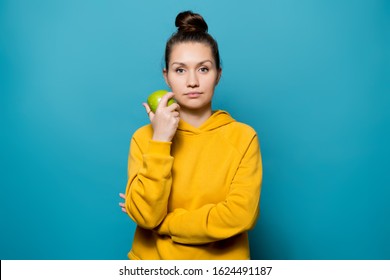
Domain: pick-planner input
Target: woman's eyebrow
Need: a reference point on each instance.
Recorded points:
(204, 61)
(178, 63)
(200, 63)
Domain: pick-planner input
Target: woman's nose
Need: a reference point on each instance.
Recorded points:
(192, 80)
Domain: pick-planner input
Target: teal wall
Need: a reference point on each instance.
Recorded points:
(312, 77)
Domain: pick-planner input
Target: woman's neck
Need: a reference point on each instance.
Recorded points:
(195, 117)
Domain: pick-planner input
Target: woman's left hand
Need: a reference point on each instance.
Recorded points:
(122, 204)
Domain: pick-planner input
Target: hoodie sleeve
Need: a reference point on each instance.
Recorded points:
(149, 182)
(236, 214)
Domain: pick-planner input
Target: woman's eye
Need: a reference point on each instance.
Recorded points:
(179, 70)
(204, 69)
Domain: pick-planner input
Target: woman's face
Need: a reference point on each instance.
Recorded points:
(192, 75)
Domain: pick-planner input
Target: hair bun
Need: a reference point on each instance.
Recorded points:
(190, 22)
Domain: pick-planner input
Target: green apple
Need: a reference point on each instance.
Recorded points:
(155, 98)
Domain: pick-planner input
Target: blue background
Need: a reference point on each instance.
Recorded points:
(312, 77)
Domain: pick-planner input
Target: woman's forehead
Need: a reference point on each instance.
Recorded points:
(191, 52)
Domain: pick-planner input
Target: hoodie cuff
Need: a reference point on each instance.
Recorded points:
(160, 148)
(164, 227)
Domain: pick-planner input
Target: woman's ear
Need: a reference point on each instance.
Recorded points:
(165, 74)
(218, 76)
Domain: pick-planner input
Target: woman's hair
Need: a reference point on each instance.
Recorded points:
(191, 27)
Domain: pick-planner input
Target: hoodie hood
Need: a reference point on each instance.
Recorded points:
(218, 119)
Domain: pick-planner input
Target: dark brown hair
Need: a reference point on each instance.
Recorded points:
(191, 27)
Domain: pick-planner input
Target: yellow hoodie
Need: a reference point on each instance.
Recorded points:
(197, 196)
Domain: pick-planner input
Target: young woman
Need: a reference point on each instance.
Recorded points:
(194, 175)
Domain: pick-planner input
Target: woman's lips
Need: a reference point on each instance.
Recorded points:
(194, 94)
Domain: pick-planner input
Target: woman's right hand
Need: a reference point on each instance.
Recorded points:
(165, 120)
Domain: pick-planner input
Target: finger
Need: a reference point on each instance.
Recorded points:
(174, 107)
(122, 195)
(124, 210)
(164, 100)
(148, 110)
